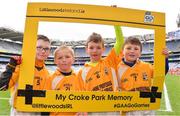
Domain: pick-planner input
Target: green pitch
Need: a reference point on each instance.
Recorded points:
(173, 90)
(173, 93)
(4, 103)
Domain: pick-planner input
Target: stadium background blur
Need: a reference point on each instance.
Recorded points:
(11, 44)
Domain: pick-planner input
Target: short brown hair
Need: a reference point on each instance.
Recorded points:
(134, 41)
(96, 38)
(44, 38)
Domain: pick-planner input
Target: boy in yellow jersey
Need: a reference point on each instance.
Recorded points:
(134, 74)
(100, 73)
(9, 77)
(64, 78)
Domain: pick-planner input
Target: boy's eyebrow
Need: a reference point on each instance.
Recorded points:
(43, 47)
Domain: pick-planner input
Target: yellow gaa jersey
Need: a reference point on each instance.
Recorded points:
(101, 77)
(63, 83)
(41, 75)
(137, 77)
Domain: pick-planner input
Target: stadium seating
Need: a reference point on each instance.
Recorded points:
(9, 48)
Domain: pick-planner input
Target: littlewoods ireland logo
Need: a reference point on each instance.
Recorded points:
(148, 18)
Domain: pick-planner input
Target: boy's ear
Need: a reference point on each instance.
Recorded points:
(86, 49)
(104, 49)
(140, 54)
(73, 59)
(54, 60)
(122, 52)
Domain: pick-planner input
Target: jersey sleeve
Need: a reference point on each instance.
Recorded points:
(151, 67)
(9, 77)
(15, 77)
(48, 84)
(80, 81)
(112, 59)
(119, 40)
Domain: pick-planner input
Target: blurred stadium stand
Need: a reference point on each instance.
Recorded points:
(11, 44)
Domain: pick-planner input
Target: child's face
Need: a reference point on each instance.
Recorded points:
(95, 51)
(64, 60)
(131, 52)
(42, 50)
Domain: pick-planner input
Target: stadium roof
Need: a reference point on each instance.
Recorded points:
(6, 33)
(15, 36)
(10, 34)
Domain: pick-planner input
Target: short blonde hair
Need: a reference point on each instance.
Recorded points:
(62, 47)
